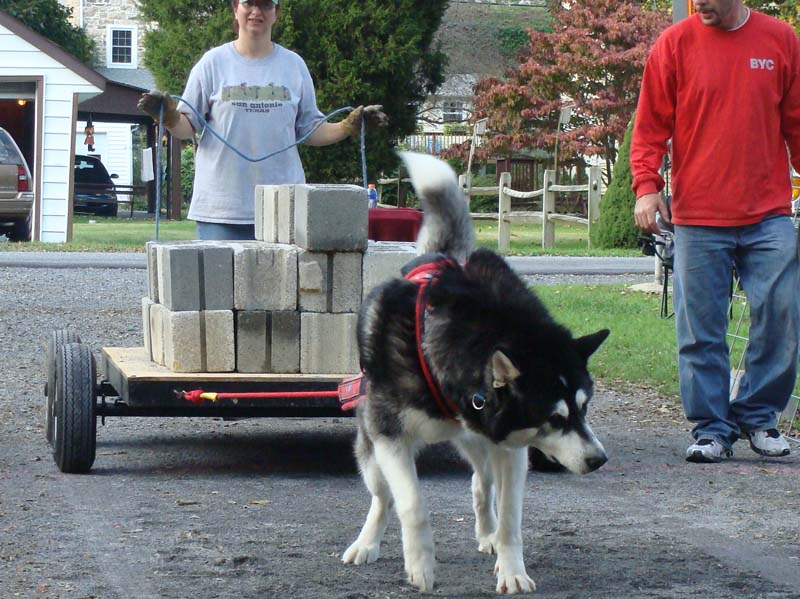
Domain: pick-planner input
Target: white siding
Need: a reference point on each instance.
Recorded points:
(113, 144)
(18, 58)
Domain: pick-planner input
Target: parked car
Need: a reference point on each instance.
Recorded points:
(16, 191)
(94, 188)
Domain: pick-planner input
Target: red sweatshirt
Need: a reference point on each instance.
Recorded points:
(730, 101)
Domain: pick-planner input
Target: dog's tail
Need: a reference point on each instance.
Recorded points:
(447, 225)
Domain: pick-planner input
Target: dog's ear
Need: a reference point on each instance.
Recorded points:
(503, 370)
(588, 344)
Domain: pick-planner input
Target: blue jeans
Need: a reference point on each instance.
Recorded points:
(224, 232)
(766, 257)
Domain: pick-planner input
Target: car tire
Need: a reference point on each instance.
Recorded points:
(21, 231)
(56, 341)
(75, 429)
(109, 211)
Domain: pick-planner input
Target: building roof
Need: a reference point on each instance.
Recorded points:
(141, 79)
(52, 50)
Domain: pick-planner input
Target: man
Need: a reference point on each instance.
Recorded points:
(724, 86)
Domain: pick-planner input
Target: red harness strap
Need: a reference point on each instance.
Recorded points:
(354, 389)
(426, 275)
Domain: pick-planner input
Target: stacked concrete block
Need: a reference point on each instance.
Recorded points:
(219, 348)
(328, 343)
(268, 341)
(275, 213)
(265, 276)
(384, 260)
(329, 281)
(286, 303)
(183, 341)
(330, 218)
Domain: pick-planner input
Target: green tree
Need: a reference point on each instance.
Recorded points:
(593, 58)
(358, 52)
(615, 228)
(52, 20)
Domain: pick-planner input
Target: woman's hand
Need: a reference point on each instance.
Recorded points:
(373, 117)
(151, 102)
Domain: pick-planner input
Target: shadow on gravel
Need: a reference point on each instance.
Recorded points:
(242, 454)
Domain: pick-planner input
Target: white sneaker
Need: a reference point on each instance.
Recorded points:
(707, 451)
(768, 443)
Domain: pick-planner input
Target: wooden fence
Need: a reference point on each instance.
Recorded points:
(547, 216)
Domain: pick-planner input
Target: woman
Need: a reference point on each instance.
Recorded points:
(260, 98)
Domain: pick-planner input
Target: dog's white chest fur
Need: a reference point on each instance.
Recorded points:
(418, 426)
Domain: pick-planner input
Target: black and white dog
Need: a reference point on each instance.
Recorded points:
(465, 354)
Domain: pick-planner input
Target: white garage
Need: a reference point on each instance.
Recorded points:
(40, 89)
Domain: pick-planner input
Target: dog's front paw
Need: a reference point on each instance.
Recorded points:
(512, 577)
(359, 553)
(486, 544)
(513, 584)
(420, 574)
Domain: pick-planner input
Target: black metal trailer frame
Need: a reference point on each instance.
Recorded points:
(133, 385)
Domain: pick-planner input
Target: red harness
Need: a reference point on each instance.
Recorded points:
(353, 389)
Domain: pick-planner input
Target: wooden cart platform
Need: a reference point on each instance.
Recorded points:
(134, 385)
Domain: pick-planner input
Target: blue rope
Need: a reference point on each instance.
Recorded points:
(211, 130)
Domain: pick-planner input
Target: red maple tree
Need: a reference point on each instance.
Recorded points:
(593, 58)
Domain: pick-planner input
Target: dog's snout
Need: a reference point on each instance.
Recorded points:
(594, 462)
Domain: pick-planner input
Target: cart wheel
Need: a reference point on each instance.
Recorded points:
(57, 339)
(75, 425)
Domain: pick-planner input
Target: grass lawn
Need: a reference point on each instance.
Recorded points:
(98, 234)
(641, 349)
(571, 239)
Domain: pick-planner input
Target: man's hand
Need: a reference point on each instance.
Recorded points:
(373, 117)
(150, 103)
(644, 214)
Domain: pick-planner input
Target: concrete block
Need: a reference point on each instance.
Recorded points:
(313, 281)
(265, 276)
(346, 283)
(219, 341)
(330, 218)
(179, 277)
(268, 341)
(216, 272)
(151, 248)
(285, 342)
(157, 333)
(252, 351)
(267, 213)
(183, 349)
(383, 261)
(148, 338)
(285, 214)
(328, 282)
(328, 343)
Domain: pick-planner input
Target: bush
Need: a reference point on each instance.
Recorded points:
(187, 172)
(615, 228)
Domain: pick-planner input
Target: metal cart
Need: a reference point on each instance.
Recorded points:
(133, 385)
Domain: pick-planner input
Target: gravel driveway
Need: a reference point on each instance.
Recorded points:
(206, 508)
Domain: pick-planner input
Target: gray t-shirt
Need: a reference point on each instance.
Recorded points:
(258, 106)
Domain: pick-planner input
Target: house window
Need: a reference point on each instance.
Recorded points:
(122, 47)
(453, 112)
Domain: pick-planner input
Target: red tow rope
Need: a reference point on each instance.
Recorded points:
(198, 396)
